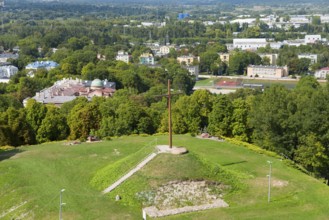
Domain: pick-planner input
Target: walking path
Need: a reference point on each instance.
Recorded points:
(160, 149)
(130, 173)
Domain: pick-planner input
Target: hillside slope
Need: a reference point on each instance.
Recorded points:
(31, 180)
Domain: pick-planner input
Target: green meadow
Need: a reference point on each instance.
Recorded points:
(32, 177)
(290, 84)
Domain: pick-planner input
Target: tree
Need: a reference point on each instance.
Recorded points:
(35, 113)
(312, 154)
(53, 127)
(240, 127)
(220, 118)
(298, 66)
(22, 132)
(240, 60)
(82, 119)
(270, 119)
(316, 20)
(207, 59)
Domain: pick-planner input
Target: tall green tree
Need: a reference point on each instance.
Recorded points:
(53, 127)
(220, 118)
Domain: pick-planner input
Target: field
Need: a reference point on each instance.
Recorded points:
(31, 179)
(288, 83)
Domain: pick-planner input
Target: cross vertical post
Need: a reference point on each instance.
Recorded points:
(169, 115)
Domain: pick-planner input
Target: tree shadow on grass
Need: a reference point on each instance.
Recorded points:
(233, 163)
(9, 153)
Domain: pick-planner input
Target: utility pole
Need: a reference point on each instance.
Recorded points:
(61, 204)
(269, 182)
(169, 115)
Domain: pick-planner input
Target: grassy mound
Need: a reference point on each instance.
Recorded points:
(166, 168)
(112, 172)
(31, 179)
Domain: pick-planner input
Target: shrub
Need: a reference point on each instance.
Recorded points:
(252, 147)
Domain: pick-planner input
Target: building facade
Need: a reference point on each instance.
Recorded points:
(267, 71)
(188, 60)
(6, 72)
(312, 39)
(42, 65)
(312, 57)
(4, 57)
(249, 43)
(66, 90)
(224, 57)
(146, 59)
(322, 73)
(193, 70)
(123, 56)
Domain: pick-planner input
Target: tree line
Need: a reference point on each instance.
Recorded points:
(293, 123)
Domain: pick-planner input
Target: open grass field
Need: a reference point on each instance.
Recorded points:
(30, 181)
(205, 82)
(290, 84)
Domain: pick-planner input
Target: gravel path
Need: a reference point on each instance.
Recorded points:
(130, 173)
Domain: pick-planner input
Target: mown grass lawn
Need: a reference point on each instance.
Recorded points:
(205, 81)
(33, 178)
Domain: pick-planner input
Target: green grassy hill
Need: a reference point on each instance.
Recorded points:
(31, 179)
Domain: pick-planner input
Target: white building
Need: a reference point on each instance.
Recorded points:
(276, 45)
(249, 21)
(164, 50)
(267, 71)
(324, 18)
(48, 65)
(193, 70)
(311, 39)
(249, 43)
(300, 19)
(312, 57)
(123, 56)
(7, 71)
(322, 73)
(295, 43)
(4, 57)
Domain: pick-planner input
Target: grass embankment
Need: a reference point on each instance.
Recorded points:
(37, 173)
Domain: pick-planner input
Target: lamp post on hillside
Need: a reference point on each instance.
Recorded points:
(61, 204)
(269, 182)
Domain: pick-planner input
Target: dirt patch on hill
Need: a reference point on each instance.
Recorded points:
(183, 196)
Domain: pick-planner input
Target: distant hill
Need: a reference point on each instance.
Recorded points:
(183, 2)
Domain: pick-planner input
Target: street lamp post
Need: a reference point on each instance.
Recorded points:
(61, 204)
(269, 182)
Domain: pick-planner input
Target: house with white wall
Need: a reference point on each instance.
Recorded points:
(123, 56)
(312, 39)
(312, 57)
(322, 73)
(249, 43)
